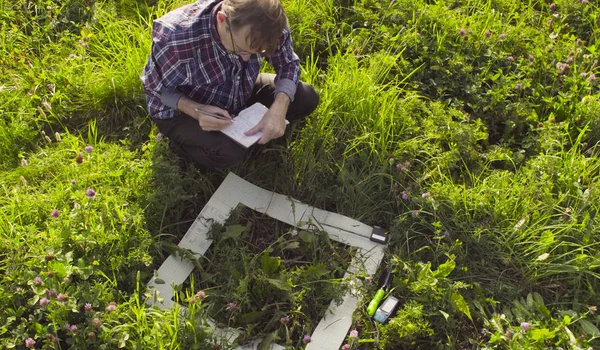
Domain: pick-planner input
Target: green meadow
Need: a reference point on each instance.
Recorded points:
(468, 128)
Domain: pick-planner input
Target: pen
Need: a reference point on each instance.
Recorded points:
(214, 115)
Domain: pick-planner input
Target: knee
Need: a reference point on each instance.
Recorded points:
(225, 162)
(217, 157)
(305, 102)
(228, 157)
(312, 99)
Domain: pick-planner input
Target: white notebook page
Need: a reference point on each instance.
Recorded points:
(246, 120)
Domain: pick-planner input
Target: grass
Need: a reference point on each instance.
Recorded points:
(457, 125)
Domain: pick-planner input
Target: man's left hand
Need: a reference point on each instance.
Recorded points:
(273, 122)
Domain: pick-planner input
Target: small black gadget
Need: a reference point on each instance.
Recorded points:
(379, 235)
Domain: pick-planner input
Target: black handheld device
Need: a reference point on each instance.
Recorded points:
(379, 235)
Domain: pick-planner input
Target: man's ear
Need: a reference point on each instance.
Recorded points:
(221, 17)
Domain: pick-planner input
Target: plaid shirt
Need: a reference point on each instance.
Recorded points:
(188, 59)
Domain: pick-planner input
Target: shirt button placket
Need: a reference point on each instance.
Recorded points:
(237, 91)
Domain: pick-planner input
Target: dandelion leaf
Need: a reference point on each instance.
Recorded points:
(461, 304)
(445, 269)
(283, 285)
(306, 236)
(589, 328)
(315, 272)
(269, 264)
(251, 317)
(541, 335)
(234, 231)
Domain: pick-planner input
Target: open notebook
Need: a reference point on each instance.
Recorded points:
(246, 120)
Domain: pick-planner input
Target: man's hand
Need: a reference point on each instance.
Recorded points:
(273, 122)
(202, 113)
(208, 117)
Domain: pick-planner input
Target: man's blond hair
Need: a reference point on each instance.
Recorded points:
(266, 19)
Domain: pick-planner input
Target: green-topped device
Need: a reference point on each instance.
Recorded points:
(387, 279)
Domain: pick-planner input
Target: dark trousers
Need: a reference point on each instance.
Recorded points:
(212, 149)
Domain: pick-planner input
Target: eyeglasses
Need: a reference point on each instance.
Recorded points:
(241, 52)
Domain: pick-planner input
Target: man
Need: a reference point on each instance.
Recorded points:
(205, 62)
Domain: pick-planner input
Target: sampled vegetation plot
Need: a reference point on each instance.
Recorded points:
(268, 278)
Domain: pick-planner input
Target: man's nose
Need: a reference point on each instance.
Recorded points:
(245, 57)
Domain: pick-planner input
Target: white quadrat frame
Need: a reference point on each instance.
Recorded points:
(333, 328)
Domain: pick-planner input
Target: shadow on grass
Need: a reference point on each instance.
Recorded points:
(176, 196)
(124, 119)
